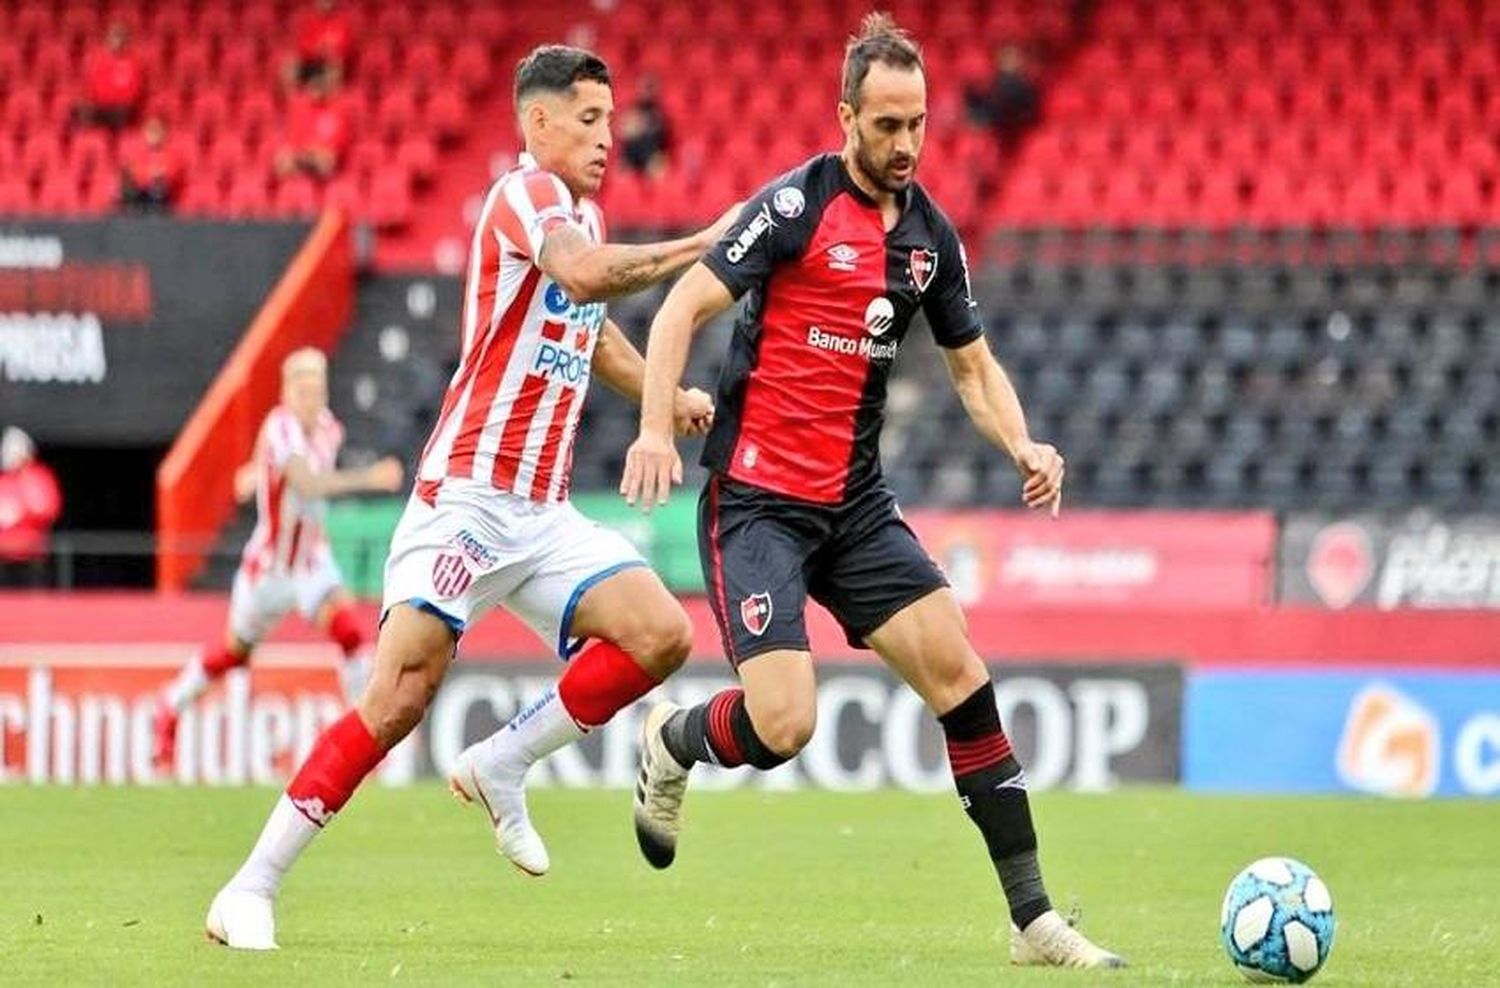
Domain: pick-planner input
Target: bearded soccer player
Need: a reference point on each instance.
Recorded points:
(837, 256)
(489, 522)
(288, 563)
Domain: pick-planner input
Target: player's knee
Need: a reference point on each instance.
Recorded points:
(662, 641)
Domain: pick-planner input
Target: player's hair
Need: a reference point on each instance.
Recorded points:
(555, 68)
(878, 40)
(304, 360)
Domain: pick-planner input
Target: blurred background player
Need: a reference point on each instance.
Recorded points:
(489, 522)
(839, 254)
(287, 564)
(30, 503)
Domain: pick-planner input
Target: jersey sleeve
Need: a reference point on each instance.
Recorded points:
(282, 440)
(529, 206)
(949, 301)
(774, 227)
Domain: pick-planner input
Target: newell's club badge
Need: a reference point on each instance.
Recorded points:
(923, 267)
(755, 612)
(450, 575)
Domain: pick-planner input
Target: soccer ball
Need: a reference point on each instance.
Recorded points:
(1277, 922)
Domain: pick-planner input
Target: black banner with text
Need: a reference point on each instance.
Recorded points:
(110, 330)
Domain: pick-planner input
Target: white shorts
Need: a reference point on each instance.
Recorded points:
(479, 548)
(256, 605)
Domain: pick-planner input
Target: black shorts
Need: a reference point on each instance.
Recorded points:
(764, 553)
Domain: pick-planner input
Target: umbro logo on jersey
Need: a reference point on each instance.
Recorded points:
(755, 613)
(923, 265)
(842, 257)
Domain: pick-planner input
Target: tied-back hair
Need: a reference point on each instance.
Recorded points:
(878, 40)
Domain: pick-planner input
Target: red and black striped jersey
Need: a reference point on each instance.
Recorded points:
(832, 294)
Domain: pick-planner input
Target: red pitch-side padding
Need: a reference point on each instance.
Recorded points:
(1244, 636)
(309, 306)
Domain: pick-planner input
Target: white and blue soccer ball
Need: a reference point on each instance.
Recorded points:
(1277, 923)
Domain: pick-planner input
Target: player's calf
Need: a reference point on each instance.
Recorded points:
(992, 788)
(636, 647)
(201, 671)
(719, 731)
(414, 651)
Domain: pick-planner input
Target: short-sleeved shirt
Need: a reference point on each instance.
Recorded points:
(511, 412)
(832, 294)
(289, 536)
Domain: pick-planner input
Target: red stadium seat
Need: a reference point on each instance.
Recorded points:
(42, 155)
(58, 194)
(101, 193)
(487, 23)
(419, 156)
(201, 196)
(397, 111)
(296, 195)
(423, 62)
(390, 198)
(24, 109)
(395, 21)
(240, 63)
(470, 66)
(448, 113)
(90, 151)
(344, 192)
(375, 59)
(248, 195)
(191, 62)
(15, 194)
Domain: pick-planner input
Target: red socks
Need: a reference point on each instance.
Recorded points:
(219, 659)
(338, 762)
(343, 627)
(599, 682)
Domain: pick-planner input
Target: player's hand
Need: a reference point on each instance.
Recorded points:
(652, 466)
(385, 475)
(1042, 470)
(244, 482)
(692, 412)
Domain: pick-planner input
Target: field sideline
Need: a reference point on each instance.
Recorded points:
(110, 886)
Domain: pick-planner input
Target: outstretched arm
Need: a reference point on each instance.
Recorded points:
(382, 475)
(591, 272)
(995, 408)
(620, 366)
(652, 464)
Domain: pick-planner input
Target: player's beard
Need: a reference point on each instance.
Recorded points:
(877, 171)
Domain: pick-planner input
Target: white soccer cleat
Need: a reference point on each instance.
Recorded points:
(658, 791)
(504, 799)
(1051, 941)
(242, 919)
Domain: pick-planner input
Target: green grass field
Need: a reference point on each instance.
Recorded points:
(109, 886)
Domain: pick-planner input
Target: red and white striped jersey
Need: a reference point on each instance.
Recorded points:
(289, 535)
(511, 411)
